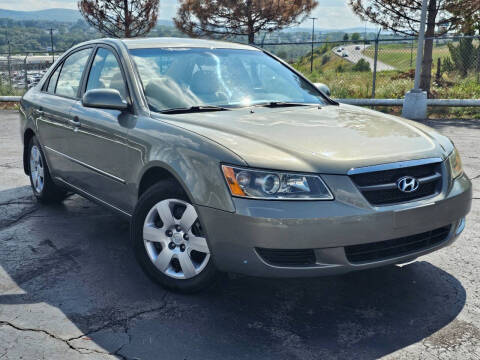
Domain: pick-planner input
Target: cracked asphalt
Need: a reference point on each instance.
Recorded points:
(70, 288)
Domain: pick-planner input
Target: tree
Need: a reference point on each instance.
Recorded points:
(120, 18)
(355, 37)
(240, 17)
(362, 66)
(403, 16)
(345, 37)
(464, 55)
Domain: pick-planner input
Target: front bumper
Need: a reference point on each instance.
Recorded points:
(327, 227)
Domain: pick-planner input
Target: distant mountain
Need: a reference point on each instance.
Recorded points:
(165, 22)
(326, 31)
(71, 15)
(64, 15)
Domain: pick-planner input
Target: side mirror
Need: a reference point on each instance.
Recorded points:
(323, 88)
(104, 99)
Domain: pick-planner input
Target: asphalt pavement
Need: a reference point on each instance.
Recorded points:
(70, 288)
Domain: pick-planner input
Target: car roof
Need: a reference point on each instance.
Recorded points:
(169, 42)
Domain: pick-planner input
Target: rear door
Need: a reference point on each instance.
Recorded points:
(53, 112)
(100, 142)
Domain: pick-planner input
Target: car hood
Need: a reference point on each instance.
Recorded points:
(328, 139)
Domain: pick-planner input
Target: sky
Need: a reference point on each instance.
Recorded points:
(331, 14)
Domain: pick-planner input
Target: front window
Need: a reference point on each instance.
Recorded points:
(180, 78)
(106, 73)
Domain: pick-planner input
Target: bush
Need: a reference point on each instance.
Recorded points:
(361, 66)
(325, 59)
(464, 56)
(282, 54)
(447, 65)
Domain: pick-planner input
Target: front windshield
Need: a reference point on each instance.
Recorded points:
(181, 78)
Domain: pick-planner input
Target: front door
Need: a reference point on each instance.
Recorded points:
(100, 141)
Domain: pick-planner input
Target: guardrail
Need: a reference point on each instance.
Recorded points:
(359, 102)
(10, 98)
(399, 102)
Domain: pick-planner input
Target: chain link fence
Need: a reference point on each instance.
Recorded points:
(21, 71)
(382, 68)
(385, 68)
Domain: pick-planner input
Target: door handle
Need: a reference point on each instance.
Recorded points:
(75, 121)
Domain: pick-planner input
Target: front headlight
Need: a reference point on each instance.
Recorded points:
(259, 184)
(455, 162)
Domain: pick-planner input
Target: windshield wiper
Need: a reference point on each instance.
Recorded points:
(282, 104)
(193, 109)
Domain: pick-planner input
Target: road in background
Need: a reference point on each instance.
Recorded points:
(70, 288)
(355, 53)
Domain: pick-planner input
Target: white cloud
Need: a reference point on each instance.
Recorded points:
(332, 17)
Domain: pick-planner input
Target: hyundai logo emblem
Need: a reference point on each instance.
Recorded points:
(407, 184)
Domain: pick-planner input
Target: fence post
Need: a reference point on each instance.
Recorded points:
(9, 65)
(25, 72)
(313, 40)
(478, 65)
(51, 43)
(375, 62)
(411, 54)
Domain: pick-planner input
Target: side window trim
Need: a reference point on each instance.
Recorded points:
(120, 65)
(88, 69)
(46, 85)
(77, 97)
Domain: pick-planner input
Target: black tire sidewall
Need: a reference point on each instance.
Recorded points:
(161, 191)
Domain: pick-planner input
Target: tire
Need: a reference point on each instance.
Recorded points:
(42, 184)
(165, 243)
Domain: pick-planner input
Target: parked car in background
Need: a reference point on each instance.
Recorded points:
(226, 159)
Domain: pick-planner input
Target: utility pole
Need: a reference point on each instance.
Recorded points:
(415, 103)
(51, 44)
(313, 40)
(421, 39)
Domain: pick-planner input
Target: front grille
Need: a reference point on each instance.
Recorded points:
(380, 187)
(287, 257)
(396, 247)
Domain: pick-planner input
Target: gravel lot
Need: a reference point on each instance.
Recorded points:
(70, 288)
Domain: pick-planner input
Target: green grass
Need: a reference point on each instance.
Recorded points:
(401, 56)
(338, 74)
(6, 90)
(389, 84)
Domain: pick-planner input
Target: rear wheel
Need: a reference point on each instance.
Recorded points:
(169, 241)
(43, 187)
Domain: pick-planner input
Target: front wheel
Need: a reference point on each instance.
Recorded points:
(169, 241)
